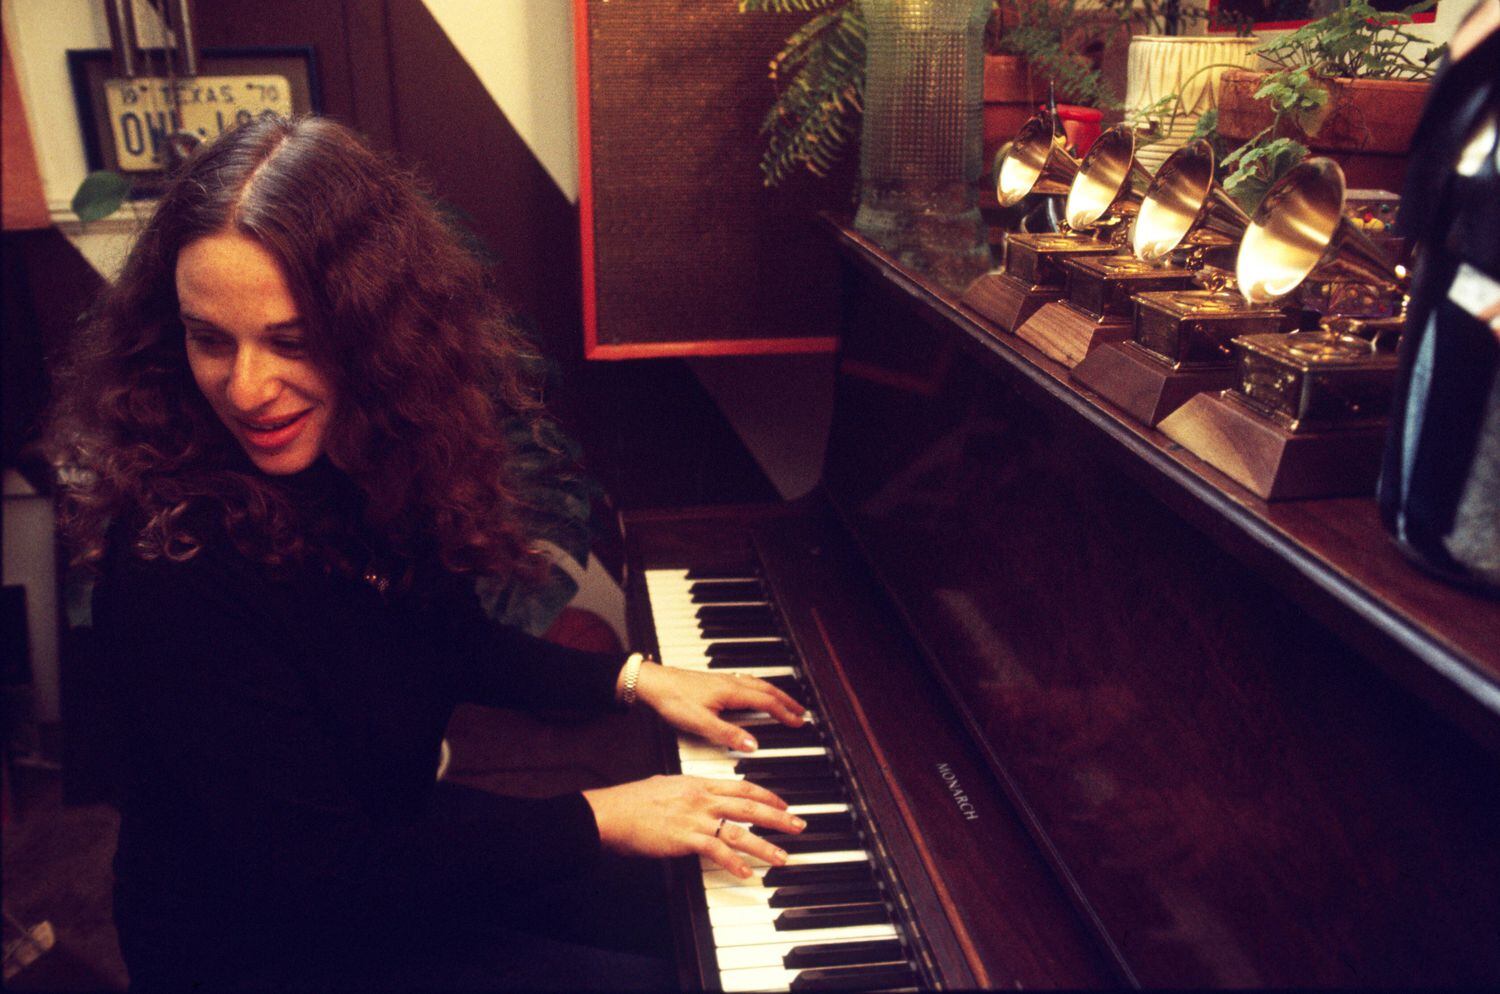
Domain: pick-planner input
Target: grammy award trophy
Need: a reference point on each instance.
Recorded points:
(1035, 161)
(1306, 414)
(1105, 197)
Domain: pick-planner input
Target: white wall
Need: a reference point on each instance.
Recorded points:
(522, 50)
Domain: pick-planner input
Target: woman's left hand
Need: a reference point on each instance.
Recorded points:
(691, 701)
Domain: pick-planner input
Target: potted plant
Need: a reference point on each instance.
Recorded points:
(1183, 69)
(1350, 85)
(1062, 44)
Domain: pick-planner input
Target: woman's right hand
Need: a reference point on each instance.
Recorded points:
(681, 816)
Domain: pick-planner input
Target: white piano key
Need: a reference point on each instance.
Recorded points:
(759, 935)
(801, 858)
(817, 809)
(723, 769)
(763, 978)
(719, 877)
(764, 672)
(758, 896)
(699, 749)
(750, 717)
(748, 914)
(710, 768)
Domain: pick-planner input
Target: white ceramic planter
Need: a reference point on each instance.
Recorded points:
(1161, 65)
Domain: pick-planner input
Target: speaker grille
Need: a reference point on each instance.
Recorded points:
(688, 245)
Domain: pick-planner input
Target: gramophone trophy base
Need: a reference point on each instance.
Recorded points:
(1037, 257)
(1142, 385)
(1032, 276)
(1099, 308)
(1315, 380)
(1065, 334)
(1005, 300)
(1271, 461)
(1105, 286)
(1195, 327)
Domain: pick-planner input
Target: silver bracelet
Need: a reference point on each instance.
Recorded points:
(632, 673)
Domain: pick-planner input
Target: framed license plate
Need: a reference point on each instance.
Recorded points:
(127, 122)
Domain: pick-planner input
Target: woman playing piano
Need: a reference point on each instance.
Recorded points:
(279, 434)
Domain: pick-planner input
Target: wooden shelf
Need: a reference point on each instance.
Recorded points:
(1332, 556)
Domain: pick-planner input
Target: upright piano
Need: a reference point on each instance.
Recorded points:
(1085, 713)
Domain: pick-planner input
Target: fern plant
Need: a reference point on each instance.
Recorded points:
(820, 75)
(1063, 41)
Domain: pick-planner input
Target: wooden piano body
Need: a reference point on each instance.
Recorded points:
(1114, 721)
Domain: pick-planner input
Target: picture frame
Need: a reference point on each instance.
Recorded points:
(92, 69)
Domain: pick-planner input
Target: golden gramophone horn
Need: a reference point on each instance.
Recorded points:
(1110, 182)
(1184, 207)
(1035, 161)
(1299, 232)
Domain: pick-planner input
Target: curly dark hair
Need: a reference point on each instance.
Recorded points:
(398, 317)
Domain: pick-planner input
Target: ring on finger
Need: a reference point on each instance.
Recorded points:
(720, 828)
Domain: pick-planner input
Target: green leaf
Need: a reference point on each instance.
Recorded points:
(1207, 126)
(100, 194)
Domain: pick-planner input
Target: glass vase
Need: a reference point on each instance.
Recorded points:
(920, 157)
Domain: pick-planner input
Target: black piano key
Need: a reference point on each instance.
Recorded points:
(844, 954)
(747, 648)
(737, 630)
(811, 841)
(789, 685)
(786, 766)
(829, 821)
(711, 575)
(734, 612)
(774, 781)
(883, 977)
(785, 736)
(810, 895)
(750, 662)
(726, 591)
(850, 871)
(832, 916)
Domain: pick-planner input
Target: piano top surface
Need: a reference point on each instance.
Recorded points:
(1332, 555)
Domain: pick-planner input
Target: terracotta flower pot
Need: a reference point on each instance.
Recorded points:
(1367, 128)
(1010, 97)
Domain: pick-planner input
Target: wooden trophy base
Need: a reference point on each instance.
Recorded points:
(1148, 390)
(1270, 461)
(1005, 300)
(1066, 334)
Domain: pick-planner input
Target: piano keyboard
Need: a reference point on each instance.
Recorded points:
(821, 922)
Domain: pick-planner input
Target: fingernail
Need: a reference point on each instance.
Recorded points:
(798, 823)
(747, 744)
(781, 856)
(743, 871)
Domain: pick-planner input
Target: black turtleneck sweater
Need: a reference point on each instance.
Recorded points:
(279, 736)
